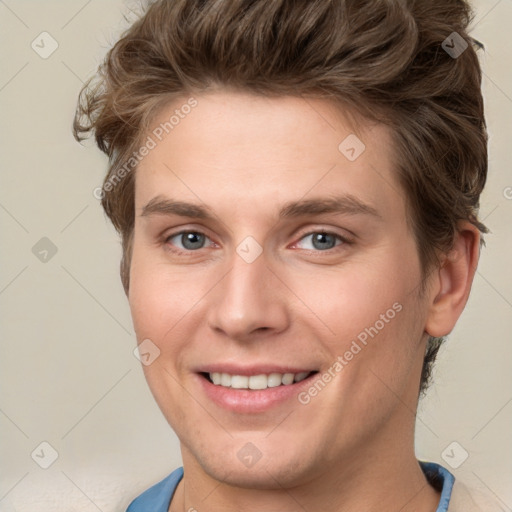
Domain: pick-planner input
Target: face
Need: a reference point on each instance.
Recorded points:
(274, 272)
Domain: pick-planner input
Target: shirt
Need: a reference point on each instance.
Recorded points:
(453, 499)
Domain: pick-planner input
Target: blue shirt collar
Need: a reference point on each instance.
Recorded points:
(442, 480)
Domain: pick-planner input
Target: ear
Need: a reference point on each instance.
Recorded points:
(452, 281)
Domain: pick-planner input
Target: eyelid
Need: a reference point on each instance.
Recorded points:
(312, 228)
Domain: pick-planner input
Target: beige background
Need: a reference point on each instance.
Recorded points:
(68, 374)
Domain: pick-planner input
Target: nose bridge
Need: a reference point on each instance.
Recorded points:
(246, 299)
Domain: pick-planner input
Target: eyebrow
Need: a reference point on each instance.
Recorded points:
(347, 205)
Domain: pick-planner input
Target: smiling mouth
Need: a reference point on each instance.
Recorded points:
(256, 382)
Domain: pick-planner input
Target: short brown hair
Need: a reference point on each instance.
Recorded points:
(384, 59)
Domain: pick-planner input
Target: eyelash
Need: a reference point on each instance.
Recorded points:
(175, 250)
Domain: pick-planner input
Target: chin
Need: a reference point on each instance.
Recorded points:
(277, 471)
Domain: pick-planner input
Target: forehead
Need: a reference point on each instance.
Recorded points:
(233, 145)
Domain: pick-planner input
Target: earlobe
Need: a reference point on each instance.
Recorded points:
(453, 281)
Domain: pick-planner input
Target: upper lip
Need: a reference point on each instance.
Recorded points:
(233, 369)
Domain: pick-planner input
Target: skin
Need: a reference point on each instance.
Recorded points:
(352, 446)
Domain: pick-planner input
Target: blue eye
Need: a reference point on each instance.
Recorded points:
(322, 240)
(190, 240)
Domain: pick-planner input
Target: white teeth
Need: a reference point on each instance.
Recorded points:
(274, 380)
(288, 378)
(258, 382)
(239, 381)
(261, 381)
(225, 380)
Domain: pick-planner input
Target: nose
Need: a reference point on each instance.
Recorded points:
(250, 300)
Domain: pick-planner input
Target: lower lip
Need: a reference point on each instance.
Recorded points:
(252, 401)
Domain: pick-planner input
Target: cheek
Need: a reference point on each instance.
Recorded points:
(159, 307)
(372, 320)
(158, 299)
(359, 294)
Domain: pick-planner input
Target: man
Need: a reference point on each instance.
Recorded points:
(296, 185)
